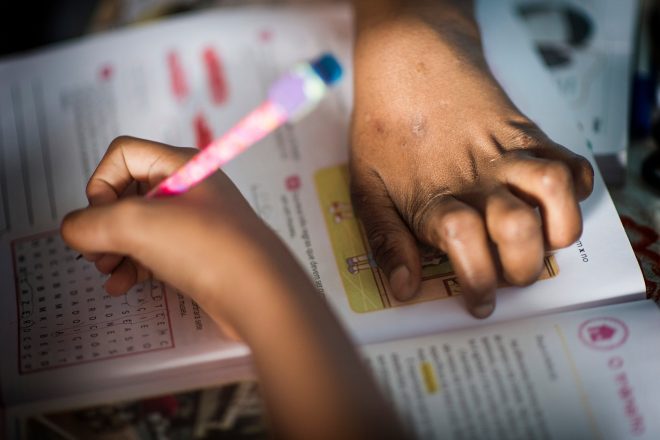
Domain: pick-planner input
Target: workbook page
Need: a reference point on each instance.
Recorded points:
(589, 374)
(185, 82)
(599, 268)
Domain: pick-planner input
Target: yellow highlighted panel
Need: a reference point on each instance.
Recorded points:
(365, 285)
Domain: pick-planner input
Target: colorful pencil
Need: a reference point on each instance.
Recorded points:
(290, 98)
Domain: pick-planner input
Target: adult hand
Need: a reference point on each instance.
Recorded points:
(441, 156)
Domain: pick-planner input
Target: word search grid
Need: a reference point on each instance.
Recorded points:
(65, 316)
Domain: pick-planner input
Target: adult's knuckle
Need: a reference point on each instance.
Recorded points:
(525, 140)
(459, 224)
(554, 177)
(525, 135)
(518, 225)
(415, 209)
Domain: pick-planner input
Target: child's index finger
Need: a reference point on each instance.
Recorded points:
(128, 160)
(100, 192)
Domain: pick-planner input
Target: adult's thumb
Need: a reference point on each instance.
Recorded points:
(393, 246)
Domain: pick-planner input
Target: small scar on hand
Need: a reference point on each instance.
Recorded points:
(419, 125)
(420, 67)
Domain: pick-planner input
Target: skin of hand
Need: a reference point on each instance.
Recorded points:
(210, 244)
(441, 157)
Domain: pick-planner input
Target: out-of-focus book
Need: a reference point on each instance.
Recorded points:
(589, 49)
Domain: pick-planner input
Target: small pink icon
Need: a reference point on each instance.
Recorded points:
(265, 35)
(615, 363)
(603, 333)
(105, 73)
(293, 183)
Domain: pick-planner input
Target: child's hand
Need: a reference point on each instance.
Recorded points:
(204, 242)
(440, 155)
(210, 244)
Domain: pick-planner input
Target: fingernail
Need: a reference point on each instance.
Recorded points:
(483, 310)
(400, 283)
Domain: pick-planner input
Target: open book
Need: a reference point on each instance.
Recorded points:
(185, 81)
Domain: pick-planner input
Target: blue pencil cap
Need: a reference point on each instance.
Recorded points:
(328, 68)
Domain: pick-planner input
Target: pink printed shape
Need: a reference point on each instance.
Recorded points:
(178, 82)
(203, 133)
(215, 76)
(105, 73)
(263, 120)
(265, 36)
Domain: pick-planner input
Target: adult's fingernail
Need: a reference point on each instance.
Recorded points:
(483, 310)
(400, 283)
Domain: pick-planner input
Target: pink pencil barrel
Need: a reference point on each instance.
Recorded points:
(249, 130)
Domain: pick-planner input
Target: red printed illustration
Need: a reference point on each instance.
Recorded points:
(178, 81)
(203, 133)
(215, 75)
